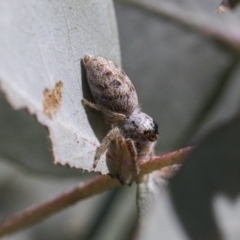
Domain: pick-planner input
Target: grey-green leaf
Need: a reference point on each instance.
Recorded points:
(212, 169)
(42, 44)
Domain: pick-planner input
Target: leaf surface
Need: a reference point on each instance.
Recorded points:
(42, 44)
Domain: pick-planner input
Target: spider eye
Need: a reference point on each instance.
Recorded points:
(152, 134)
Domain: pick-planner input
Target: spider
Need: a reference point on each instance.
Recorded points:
(134, 133)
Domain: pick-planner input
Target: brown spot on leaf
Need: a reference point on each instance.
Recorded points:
(52, 99)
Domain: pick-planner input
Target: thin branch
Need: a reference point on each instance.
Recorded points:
(227, 38)
(39, 212)
(164, 160)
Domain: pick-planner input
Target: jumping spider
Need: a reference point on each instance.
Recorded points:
(134, 133)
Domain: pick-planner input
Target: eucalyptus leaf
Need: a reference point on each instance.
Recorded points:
(42, 44)
(212, 169)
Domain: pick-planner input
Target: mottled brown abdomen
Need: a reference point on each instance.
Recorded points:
(110, 86)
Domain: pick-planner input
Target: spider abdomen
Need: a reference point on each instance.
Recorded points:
(110, 86)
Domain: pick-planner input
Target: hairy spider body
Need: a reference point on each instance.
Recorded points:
(134, 133)
(110, 86)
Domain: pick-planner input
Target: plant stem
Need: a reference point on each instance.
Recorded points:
(169, 159)
(37, 213)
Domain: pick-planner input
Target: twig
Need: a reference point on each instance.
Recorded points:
(164, 160)
(37, 213)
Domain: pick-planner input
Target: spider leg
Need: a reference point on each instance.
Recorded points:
(129, 168)
(112, 135)
(110, 116)
(123, 159)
